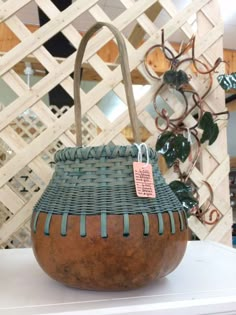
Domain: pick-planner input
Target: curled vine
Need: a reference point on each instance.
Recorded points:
(177, 138)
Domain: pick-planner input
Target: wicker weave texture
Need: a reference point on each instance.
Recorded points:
(100, 179)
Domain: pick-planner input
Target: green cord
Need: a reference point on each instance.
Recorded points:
(83, 225)
(35, 221)
(47, 223)
(146, 224)
(160, 223)
(126, 225)
(64, 224)
(172, 222)
(181, 222)
(103, 225)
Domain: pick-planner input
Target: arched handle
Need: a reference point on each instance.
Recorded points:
(126, 77)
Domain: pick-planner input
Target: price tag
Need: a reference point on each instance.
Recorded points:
(143, 179)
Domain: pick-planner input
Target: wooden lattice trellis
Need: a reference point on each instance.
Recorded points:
(31, 131)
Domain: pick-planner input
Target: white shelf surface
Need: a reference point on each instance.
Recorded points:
(204, 283)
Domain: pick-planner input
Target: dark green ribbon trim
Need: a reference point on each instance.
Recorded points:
(35, 221)
(160, 223)
(181, 221)
(47, 223)
(64, 224)
(83, 225)
(126, 224)
(172, 222)
(104, 225)
(146, 224)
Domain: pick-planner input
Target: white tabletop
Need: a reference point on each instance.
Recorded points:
(204, 283)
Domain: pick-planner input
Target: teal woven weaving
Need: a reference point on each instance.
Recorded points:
(100, 179)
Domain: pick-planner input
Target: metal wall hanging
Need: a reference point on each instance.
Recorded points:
(176, 139)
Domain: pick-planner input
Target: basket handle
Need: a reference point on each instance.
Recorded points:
(126, 77)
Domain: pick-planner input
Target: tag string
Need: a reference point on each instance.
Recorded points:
(140, 154)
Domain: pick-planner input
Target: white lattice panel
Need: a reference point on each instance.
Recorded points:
(31, 131)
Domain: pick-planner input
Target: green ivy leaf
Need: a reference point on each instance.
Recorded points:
(163, 140)
(214, 134)
(175, 78)
(171, 154)
(173, 147)
(180, 187)
(183, 147)
(188, 202)
(184, 193)
(210, 128)
(206, 120)
(227, 81)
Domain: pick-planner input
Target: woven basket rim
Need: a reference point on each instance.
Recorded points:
(97, 152)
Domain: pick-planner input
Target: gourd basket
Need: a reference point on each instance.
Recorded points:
(90, 230)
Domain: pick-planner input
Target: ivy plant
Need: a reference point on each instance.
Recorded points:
(171, 143)
(210, 128)
(175, 78)
(185, 195)
(227, 81)
(173, 147)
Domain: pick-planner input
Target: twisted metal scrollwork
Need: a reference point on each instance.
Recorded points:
(178, 80)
